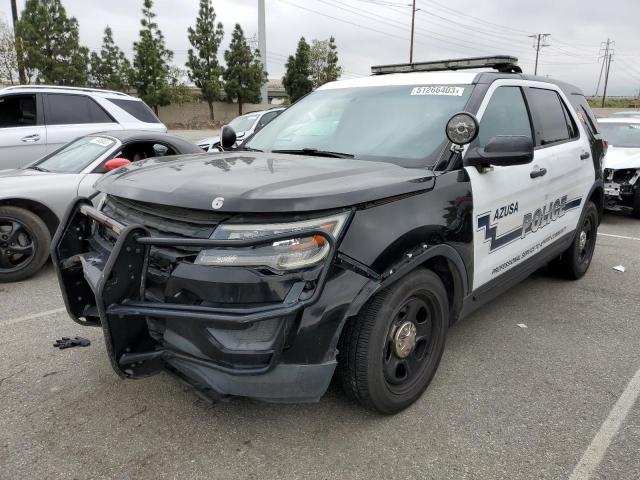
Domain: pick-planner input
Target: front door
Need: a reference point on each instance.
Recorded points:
(23, 137)
(507, 201)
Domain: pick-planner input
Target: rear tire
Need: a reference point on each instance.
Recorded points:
(24, 244)
(389, 353)
(574, 262)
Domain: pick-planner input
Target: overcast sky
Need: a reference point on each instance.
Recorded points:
(370, 32)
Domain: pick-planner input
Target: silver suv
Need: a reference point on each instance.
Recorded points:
(36, 120)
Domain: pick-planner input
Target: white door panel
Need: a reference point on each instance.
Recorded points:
(20, 146)
(59, 135)
(517, 216)
(85, 188)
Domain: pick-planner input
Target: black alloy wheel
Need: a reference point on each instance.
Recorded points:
(24, 243)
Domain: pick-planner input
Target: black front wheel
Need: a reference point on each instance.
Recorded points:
(575, 261)
(24, 244)
(390, 352)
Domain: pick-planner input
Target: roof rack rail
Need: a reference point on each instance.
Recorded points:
(501, 63)
(59, 87)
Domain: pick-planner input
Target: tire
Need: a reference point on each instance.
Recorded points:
(24, 244)
(636, 203)
(574, 262)
(371, 367)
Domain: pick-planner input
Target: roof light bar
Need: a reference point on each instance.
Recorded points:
(502, 63)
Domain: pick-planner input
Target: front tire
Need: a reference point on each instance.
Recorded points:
(390, 352)
(575, 261)
(24, 244)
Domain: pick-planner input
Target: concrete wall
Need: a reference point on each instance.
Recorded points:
(196, 114)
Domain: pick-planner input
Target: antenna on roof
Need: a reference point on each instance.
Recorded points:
(501, 63)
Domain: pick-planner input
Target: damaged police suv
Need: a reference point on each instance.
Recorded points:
(343, 238)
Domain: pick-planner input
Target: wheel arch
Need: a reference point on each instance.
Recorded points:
(47, 215)
(442, 259)
(596, 195)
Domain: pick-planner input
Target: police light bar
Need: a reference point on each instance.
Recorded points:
(502, 63)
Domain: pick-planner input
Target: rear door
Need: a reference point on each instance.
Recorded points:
(504, 198)
(570, 172)
(23, 136)
(69, 116)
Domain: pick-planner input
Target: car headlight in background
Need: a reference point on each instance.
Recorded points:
(290, 254)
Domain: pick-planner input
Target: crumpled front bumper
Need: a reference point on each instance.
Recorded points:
(620, 187)
(221, 349)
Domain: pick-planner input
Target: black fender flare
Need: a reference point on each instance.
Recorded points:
(597, 185)
(406, 264)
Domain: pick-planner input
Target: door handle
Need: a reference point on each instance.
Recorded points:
(538, 172)
(30, 138)
(584, 155)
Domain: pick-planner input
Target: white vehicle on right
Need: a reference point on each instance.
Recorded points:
(622, 164)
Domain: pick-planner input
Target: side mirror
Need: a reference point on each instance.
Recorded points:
(502, 150)
(115, 163)
(227, 137)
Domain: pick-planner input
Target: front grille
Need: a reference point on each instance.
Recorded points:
(619, 176)
(161, 221)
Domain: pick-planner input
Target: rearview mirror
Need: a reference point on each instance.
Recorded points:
(227, 137)
(115, 163)
(502, 150)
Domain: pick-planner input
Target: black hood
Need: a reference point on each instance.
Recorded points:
(262, 182)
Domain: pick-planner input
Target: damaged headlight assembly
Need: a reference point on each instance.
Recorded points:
(281, 256)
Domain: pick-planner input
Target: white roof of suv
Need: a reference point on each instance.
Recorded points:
(60, 89)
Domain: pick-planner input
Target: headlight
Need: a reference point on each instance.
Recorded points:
(291, 254)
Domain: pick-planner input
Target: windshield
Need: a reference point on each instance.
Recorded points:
(76, 156)
(622, 135)
(403, 124)
(243, 123)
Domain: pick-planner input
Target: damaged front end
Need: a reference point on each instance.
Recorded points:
(151, 278)
(620, 187)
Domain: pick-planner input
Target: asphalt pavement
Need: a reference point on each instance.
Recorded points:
(554, 400)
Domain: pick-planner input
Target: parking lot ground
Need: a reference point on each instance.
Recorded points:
(195, 135)
(507, 402)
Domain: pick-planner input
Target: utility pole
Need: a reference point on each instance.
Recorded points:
(606, 66)
(262, 46)
(413, 27)
(14, 15)
(538, 43)
(606, 79)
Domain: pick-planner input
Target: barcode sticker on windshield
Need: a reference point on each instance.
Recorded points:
(103, 142)
(438, 90)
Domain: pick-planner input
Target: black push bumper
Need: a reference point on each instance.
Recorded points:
(222, 349)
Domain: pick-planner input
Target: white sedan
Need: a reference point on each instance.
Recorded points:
(622, 164)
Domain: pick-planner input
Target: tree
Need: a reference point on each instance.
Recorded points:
(324, 62)
(297, 78)
(151, 62)
(110, 69)
(204, 69)
(244, 75)
(8, 58)
(179, 91)
(51, 44)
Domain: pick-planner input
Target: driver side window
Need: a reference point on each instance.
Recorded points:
(506, 114)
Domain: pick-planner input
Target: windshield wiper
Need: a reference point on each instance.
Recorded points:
(39, 169)
(248, 149)
(314, 152)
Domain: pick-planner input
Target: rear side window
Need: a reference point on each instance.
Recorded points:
(66, 109)
(18, 111)
(584, 112)
(554, 121)
(506, 114)
(137, 109)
